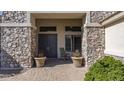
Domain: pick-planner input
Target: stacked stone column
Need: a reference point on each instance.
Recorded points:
(93, 41)
(93, 44)
(15, 40)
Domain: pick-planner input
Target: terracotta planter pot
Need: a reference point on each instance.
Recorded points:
(77, 61)
(40, 61)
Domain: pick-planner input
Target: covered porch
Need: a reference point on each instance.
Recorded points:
(56, 30)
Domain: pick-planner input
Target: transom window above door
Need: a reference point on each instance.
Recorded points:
(47, 28)
(73, 28)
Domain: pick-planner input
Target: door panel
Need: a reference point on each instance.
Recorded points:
(48, 44)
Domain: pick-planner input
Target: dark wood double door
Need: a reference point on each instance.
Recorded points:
(47, 43)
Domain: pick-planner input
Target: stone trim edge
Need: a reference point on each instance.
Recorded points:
(92, 25)
(15, 25)
(18, 25)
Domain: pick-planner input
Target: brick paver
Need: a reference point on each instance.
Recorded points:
(54, 70)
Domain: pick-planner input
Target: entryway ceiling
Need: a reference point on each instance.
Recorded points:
(58, 15)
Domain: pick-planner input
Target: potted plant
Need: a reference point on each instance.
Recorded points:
(77, 59)
(40, 60)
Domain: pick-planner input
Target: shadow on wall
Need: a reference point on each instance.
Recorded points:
(9, 64)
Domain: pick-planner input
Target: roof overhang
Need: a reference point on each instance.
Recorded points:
(58, 15)
(112, 19)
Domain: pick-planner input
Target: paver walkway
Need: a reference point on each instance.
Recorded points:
(54, 70)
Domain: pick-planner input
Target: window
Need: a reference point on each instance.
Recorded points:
(67, 28)
(73, 28)
(68, 43)
(47, 28)
(72, 43)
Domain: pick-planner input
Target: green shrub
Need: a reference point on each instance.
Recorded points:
(106, 69)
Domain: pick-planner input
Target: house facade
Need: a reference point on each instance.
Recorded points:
(24, 34)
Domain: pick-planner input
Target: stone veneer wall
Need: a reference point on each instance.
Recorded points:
(15, 47)
(15, 41)
(14, 17)
(93, 42)
(98, 16)
(33, 42)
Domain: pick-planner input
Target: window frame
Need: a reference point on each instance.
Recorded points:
(72, 28)
(53, 29)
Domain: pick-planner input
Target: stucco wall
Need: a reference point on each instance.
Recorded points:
(114, 34)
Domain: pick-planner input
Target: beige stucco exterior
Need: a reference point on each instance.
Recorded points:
(114, 42)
